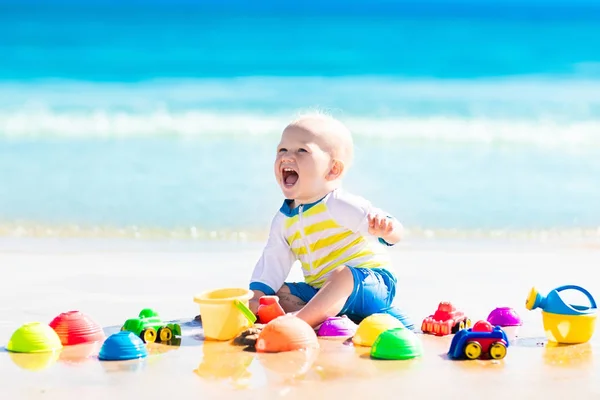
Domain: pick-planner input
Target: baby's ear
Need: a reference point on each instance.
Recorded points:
(336, 170)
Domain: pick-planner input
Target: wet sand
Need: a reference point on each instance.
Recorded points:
(112, 282)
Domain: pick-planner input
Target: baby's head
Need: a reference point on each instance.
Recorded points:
(313, 154)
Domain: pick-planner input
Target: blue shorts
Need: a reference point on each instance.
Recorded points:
(374, 292)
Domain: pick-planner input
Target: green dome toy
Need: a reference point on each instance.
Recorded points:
(34, 337)
(397, 344)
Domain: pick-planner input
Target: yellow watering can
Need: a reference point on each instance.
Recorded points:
(565, 323)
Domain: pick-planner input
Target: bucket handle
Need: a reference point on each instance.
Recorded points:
(575, 287)
(245, 310)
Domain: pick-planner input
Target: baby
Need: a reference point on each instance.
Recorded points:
(332, 233)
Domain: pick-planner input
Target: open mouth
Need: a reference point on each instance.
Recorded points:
(289, 176)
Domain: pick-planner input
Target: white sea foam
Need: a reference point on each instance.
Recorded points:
(102, 124)
(534, 111)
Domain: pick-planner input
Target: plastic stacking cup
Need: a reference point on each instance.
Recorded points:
(122, 345)
(225, 312)
(397, 344)
(337, 327)
(286, 333)
(504, 316)
(372, 326)
(34, 337)
(74, 327)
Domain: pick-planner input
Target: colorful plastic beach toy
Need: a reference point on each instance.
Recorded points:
(74, 327)
(445, 321)
(481, 341)
(34, 337)
(565, 323)
(371, 327)
(150, 328)
(337, 327)
(225, 312)
(286, 333)
(269, 309)
(504, 316)
(397, 344)
(122, 345)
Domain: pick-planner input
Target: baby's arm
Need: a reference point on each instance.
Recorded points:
(274, 265)
(359, 215)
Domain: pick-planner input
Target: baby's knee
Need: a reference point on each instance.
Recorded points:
(285, 289)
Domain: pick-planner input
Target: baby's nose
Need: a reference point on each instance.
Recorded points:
(287, 158)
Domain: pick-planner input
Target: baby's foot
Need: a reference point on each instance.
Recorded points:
(249, 336)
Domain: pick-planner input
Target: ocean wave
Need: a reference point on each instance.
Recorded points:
(192, 124)
(541, 111)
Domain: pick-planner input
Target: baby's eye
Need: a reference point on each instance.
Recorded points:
(281, 150)
(302, 150)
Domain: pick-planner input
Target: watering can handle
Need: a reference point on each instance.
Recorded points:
(245, 310)
(575, 287)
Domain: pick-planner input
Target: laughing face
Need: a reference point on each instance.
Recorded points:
(303, 166)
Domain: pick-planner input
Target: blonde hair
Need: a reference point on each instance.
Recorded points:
(333, 130)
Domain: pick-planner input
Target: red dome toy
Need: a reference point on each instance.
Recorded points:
(74, 327)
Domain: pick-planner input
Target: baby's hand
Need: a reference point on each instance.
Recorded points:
(253, 305)
(380, 225)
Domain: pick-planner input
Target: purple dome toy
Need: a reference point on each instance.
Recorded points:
(504, 316)
(337, 326)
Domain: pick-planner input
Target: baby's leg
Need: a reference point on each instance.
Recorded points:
(330, 299)
(374, 292)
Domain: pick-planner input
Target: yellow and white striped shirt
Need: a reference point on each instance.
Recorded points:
(321, 236)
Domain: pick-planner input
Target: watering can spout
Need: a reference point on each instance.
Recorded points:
(535, 300)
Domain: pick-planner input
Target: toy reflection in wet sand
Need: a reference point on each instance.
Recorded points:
(568, 356)
(34, 361)
(288, 367)
(222, 362)
(134, 365)
(80, 353)
(155, 349)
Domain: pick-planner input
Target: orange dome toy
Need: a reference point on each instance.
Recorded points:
(286, 333)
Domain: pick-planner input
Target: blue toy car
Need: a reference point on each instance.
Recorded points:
(481, 341)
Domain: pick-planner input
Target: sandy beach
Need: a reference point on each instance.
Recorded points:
(112, 280)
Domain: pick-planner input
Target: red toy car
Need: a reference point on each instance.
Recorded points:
(446, 320)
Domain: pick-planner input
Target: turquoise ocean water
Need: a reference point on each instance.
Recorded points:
(162, 118)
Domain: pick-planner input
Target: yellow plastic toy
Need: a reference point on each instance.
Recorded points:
(564, 323)
(225, 312)
(34, 337)
(372, 326)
